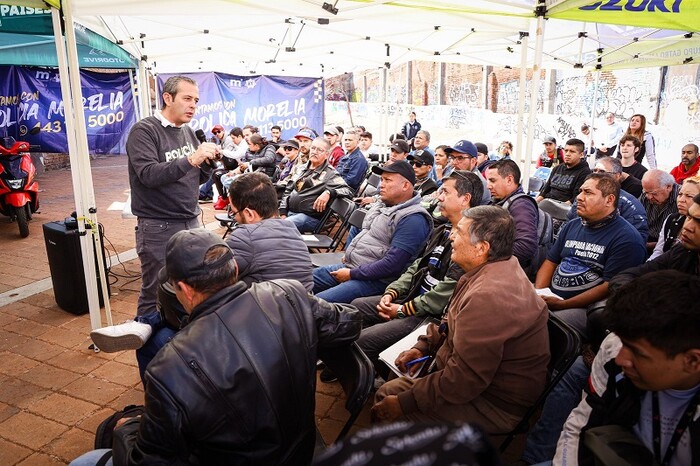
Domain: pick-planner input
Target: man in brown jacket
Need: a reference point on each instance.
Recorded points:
(492, 346)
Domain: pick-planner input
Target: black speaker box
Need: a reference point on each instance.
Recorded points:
(66, 265)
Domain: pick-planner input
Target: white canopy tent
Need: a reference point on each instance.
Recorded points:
(317, 38)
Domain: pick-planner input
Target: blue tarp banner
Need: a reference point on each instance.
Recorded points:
(262, 101)
(31, 96)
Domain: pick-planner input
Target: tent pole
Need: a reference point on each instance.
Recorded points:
(134, 93)
(80, 163)
(535, 83)
(594, 110)
(144, 99)
(519, 153)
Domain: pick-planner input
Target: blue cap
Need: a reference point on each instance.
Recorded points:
(463, 147)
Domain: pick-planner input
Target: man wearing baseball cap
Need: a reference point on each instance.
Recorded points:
(422, 162)
(464, 156)
(305, 136)
(552, 156)
(332, 135)
(399, 150)
(193, 385)
(394, 231)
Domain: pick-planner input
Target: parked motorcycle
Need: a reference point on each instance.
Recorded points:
(19, 192)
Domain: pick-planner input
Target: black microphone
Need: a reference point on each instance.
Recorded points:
(201, 137)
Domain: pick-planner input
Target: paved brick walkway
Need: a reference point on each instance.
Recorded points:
(54, 391)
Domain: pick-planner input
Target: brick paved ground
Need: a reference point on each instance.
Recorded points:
(54, 391)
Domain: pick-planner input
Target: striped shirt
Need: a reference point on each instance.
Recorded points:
(656, 214)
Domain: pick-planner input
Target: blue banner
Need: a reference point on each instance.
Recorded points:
(31, 96)
(262, 101)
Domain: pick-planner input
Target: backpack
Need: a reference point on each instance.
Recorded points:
(545, 235)
(103, 435)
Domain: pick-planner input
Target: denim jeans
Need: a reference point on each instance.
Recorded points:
(567, 394)
(207, 190)
(304, 223)
(326, 287)
(148, 351)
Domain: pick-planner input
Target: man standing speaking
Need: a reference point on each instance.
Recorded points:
(166, 166)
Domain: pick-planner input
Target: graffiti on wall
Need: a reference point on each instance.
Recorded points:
(680, 102)
(508, 93)
(464, 93)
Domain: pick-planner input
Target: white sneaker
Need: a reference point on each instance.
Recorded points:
(130, 335)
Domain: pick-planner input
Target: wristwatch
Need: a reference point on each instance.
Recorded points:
(399, 312)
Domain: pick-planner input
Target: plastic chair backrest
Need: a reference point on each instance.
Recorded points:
(355, 373)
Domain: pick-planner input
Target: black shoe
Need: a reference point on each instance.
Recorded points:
(327, 376)
(205, 199)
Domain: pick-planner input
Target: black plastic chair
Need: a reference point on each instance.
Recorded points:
(564, 348)
(226, 221)
(355, 373)
(322, 259)
(372, 180)
(341, 208)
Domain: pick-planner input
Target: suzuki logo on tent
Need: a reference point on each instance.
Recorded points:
(643, 5)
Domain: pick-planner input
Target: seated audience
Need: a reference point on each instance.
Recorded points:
(628, 149)
(210, 397)
(491, 351)
(332, 135)
(394, 231)
(659, 200)
(690, 163)
(566, 179)
(482, 158)
(352, 167)
(629, 207)
(422, 162)
(503, 177)
(552, 155)
(264, 246)
(398, 151)
(613, 166)
(671, 228)
(683, 256)
(463, 156)
(589, 251)
(443, 167)
(425, 288)
(307, 198)
(293, 165)
(542, 440)
(369, 150)
(646, 377)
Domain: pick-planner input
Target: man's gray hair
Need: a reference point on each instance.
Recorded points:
(425, 134)
(661, 177)
(494, 225)
(216, 278)
(170, 86)
(613, 162)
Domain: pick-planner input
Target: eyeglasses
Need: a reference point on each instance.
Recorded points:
(416, 163)
(652, 193)
(218, 131)
(459, 158)
(233, 213)
(317, 149)
(290, 148)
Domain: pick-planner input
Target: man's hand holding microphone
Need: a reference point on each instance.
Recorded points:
(206, 152)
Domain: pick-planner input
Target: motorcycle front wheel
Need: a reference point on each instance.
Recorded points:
(22, 220)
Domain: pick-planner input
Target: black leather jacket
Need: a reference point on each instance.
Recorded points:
(237, 384)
